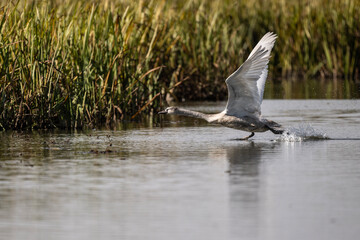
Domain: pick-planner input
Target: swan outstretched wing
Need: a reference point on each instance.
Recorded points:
(246, 85)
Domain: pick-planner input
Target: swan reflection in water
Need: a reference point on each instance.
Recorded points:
(247, 187)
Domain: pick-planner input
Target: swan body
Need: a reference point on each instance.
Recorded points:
(245, 89)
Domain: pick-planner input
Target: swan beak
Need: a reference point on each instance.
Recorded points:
(162, 112)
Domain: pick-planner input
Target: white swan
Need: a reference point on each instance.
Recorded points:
(245, 89)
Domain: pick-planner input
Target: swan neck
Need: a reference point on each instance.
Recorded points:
(194, 114)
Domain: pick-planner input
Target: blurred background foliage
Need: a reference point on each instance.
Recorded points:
(76, 63)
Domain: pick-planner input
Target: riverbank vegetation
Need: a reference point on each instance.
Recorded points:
(71, 64)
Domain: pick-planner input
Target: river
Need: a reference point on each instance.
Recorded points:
(180, 178)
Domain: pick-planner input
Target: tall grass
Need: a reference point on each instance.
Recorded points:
(76, 63)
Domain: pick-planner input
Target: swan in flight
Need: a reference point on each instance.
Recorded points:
(245, 89)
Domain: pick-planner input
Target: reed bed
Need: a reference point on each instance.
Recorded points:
(71, 64)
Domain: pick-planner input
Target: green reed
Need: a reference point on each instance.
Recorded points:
(76, 63)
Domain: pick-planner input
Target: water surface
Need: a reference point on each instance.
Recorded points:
(186, 179)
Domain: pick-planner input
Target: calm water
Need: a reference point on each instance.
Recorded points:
(186, 179)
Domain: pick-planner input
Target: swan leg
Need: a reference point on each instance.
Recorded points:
(246, 138)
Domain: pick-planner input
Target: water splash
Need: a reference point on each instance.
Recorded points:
(301, 133)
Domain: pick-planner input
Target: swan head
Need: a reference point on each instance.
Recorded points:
(170, 111)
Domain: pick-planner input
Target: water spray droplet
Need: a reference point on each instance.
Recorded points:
(301, 133)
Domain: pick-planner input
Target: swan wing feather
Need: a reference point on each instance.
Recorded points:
(246, 85)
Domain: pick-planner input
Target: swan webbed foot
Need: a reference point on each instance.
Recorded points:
(246, 138)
